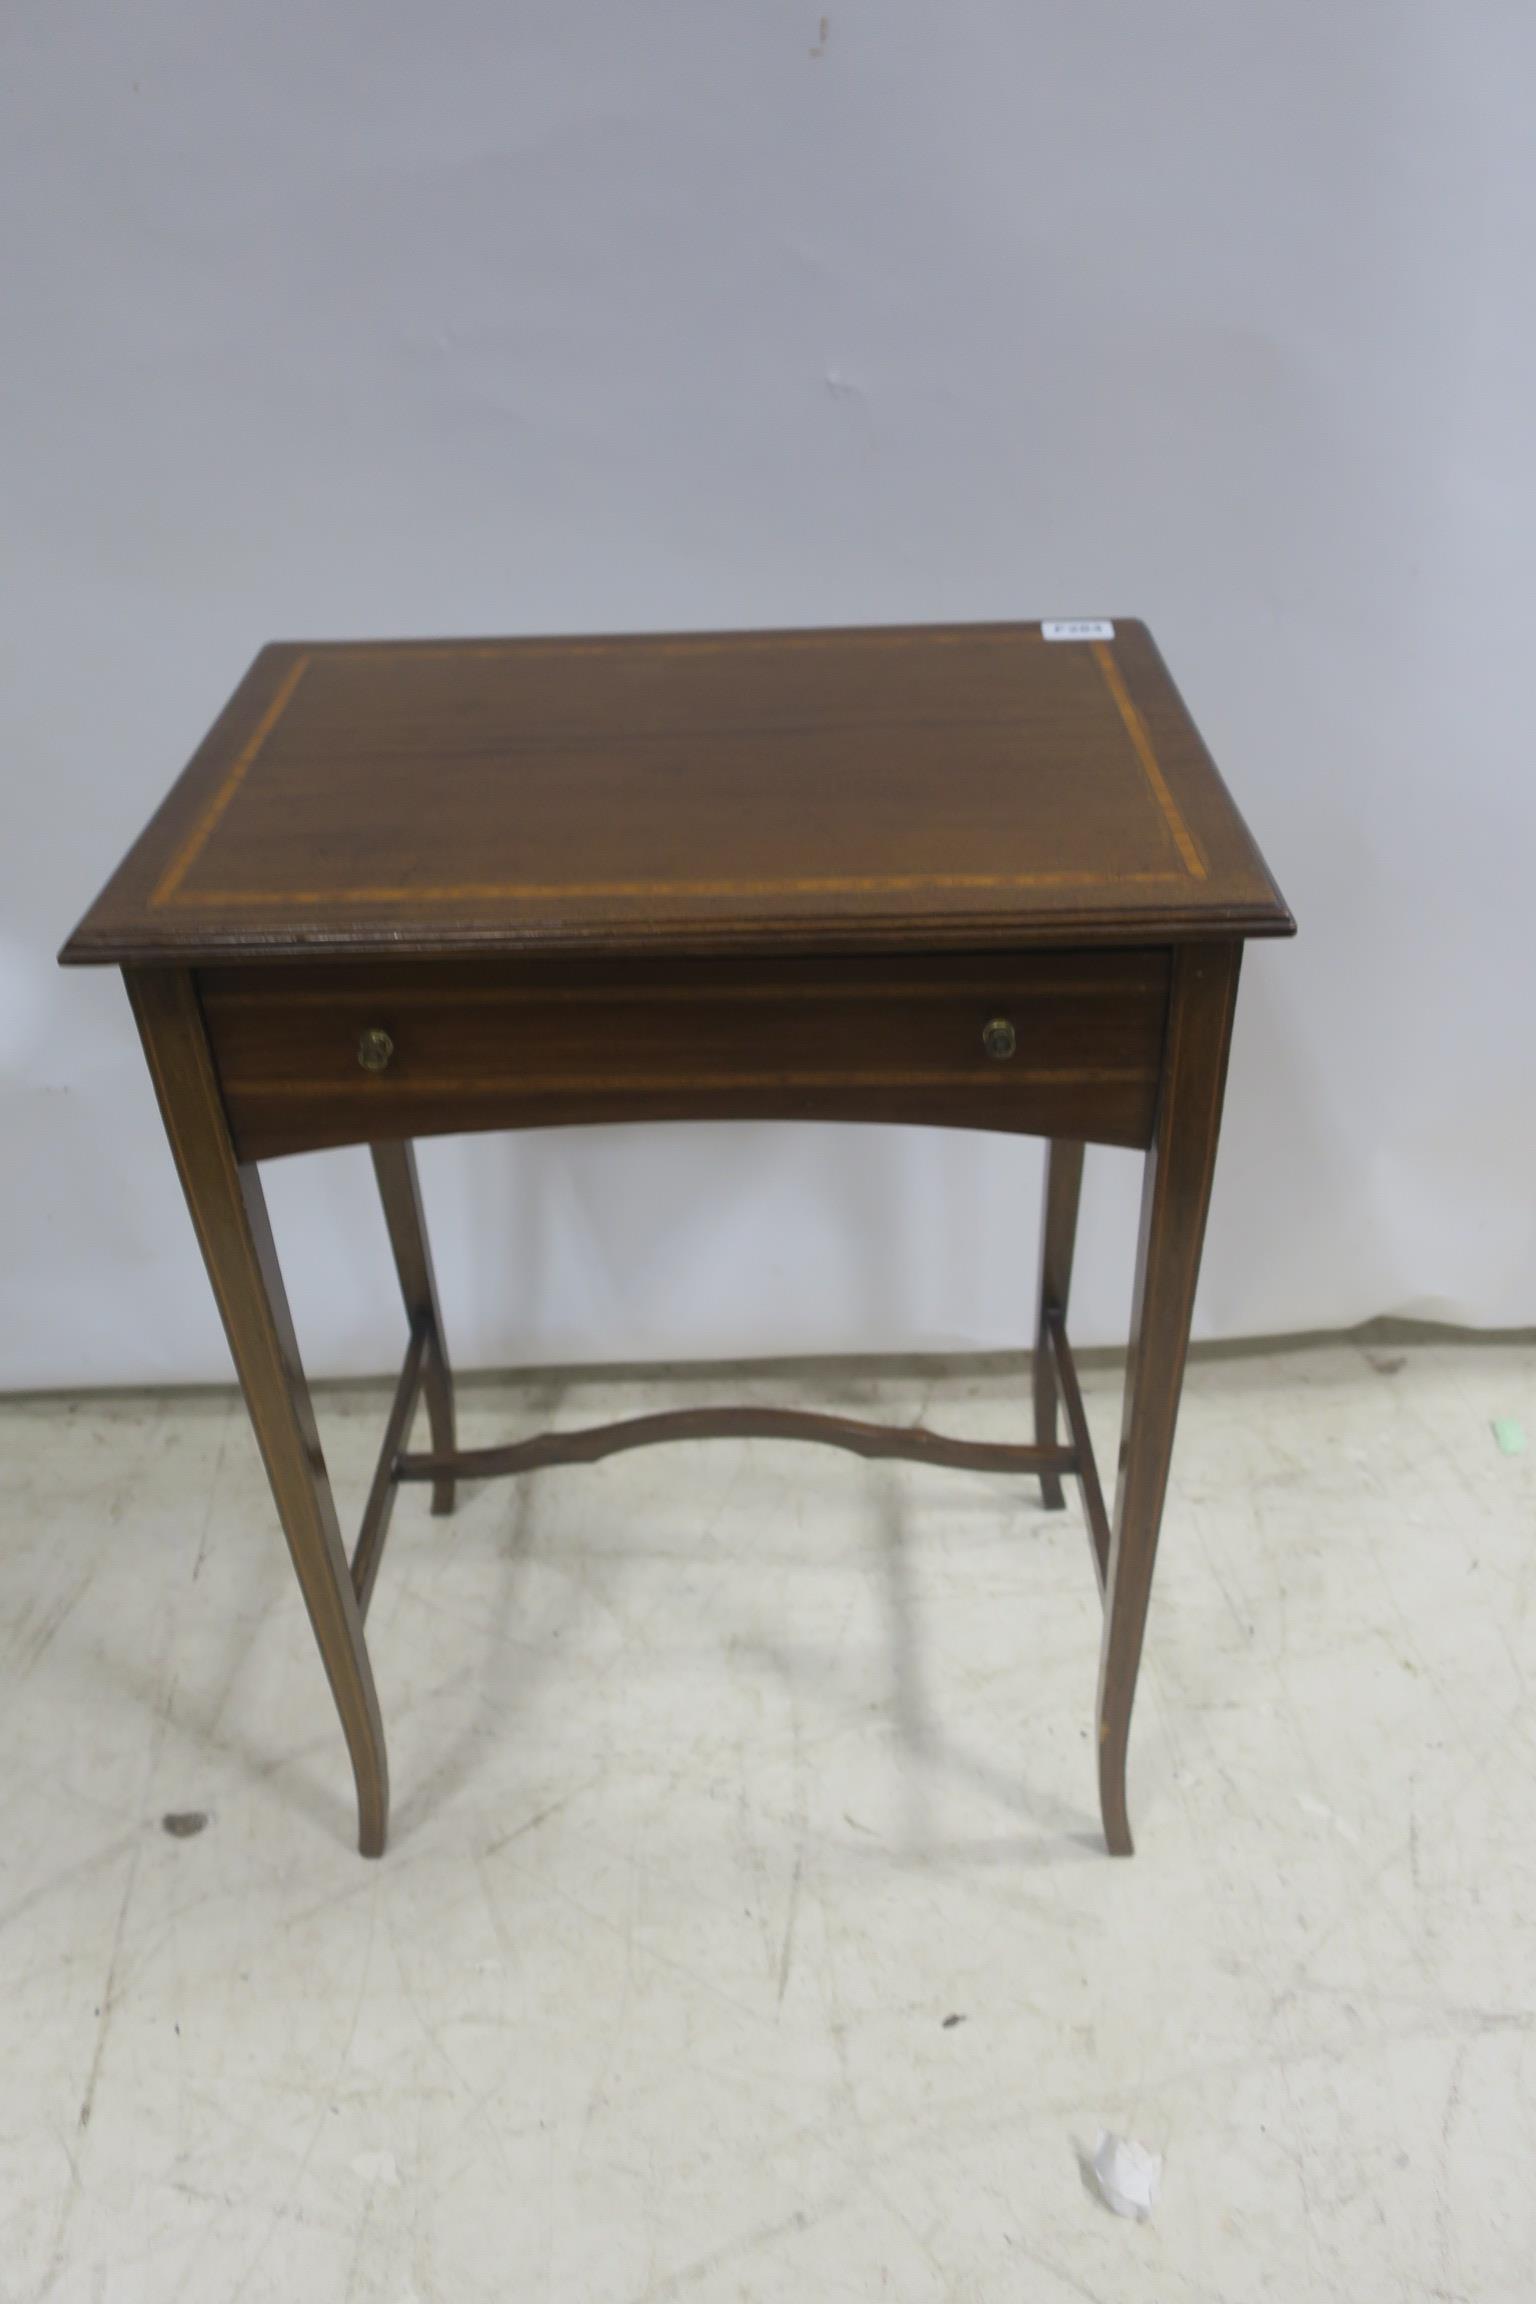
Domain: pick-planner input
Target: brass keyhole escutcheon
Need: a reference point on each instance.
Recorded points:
(374, 1048)
(999, 1038)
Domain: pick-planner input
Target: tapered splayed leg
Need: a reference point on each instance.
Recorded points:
(1176, 1194)
(229, 1213)
(1058, 1238)
(399, 1188)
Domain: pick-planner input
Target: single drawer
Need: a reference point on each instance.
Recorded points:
(1052, 1043)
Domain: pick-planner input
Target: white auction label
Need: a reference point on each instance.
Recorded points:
(1078, 628)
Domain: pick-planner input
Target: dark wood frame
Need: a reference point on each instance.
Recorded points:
(956, 876)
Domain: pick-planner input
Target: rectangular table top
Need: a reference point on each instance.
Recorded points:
(930, 787)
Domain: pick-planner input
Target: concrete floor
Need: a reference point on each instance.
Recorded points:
(727, 1779)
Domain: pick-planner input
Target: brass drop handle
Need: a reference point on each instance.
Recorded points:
(374, 1048)
(999, 1038)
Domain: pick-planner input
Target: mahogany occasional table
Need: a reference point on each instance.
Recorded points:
(974, 876)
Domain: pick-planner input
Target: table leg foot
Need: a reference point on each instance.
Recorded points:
(1176, 1192)
(394, 1165)
(1058, 1237)
(1114, 1740)
(372, 1816)
(229, 1214)
(437, 1388)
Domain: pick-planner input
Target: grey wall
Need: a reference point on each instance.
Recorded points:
(394, 320)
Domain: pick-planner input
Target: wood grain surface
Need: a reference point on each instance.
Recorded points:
(958, 786)
(509, 1044)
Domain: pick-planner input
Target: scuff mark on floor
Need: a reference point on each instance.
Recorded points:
(787, 1955)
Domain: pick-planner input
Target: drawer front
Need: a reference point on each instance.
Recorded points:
(353, 1054)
